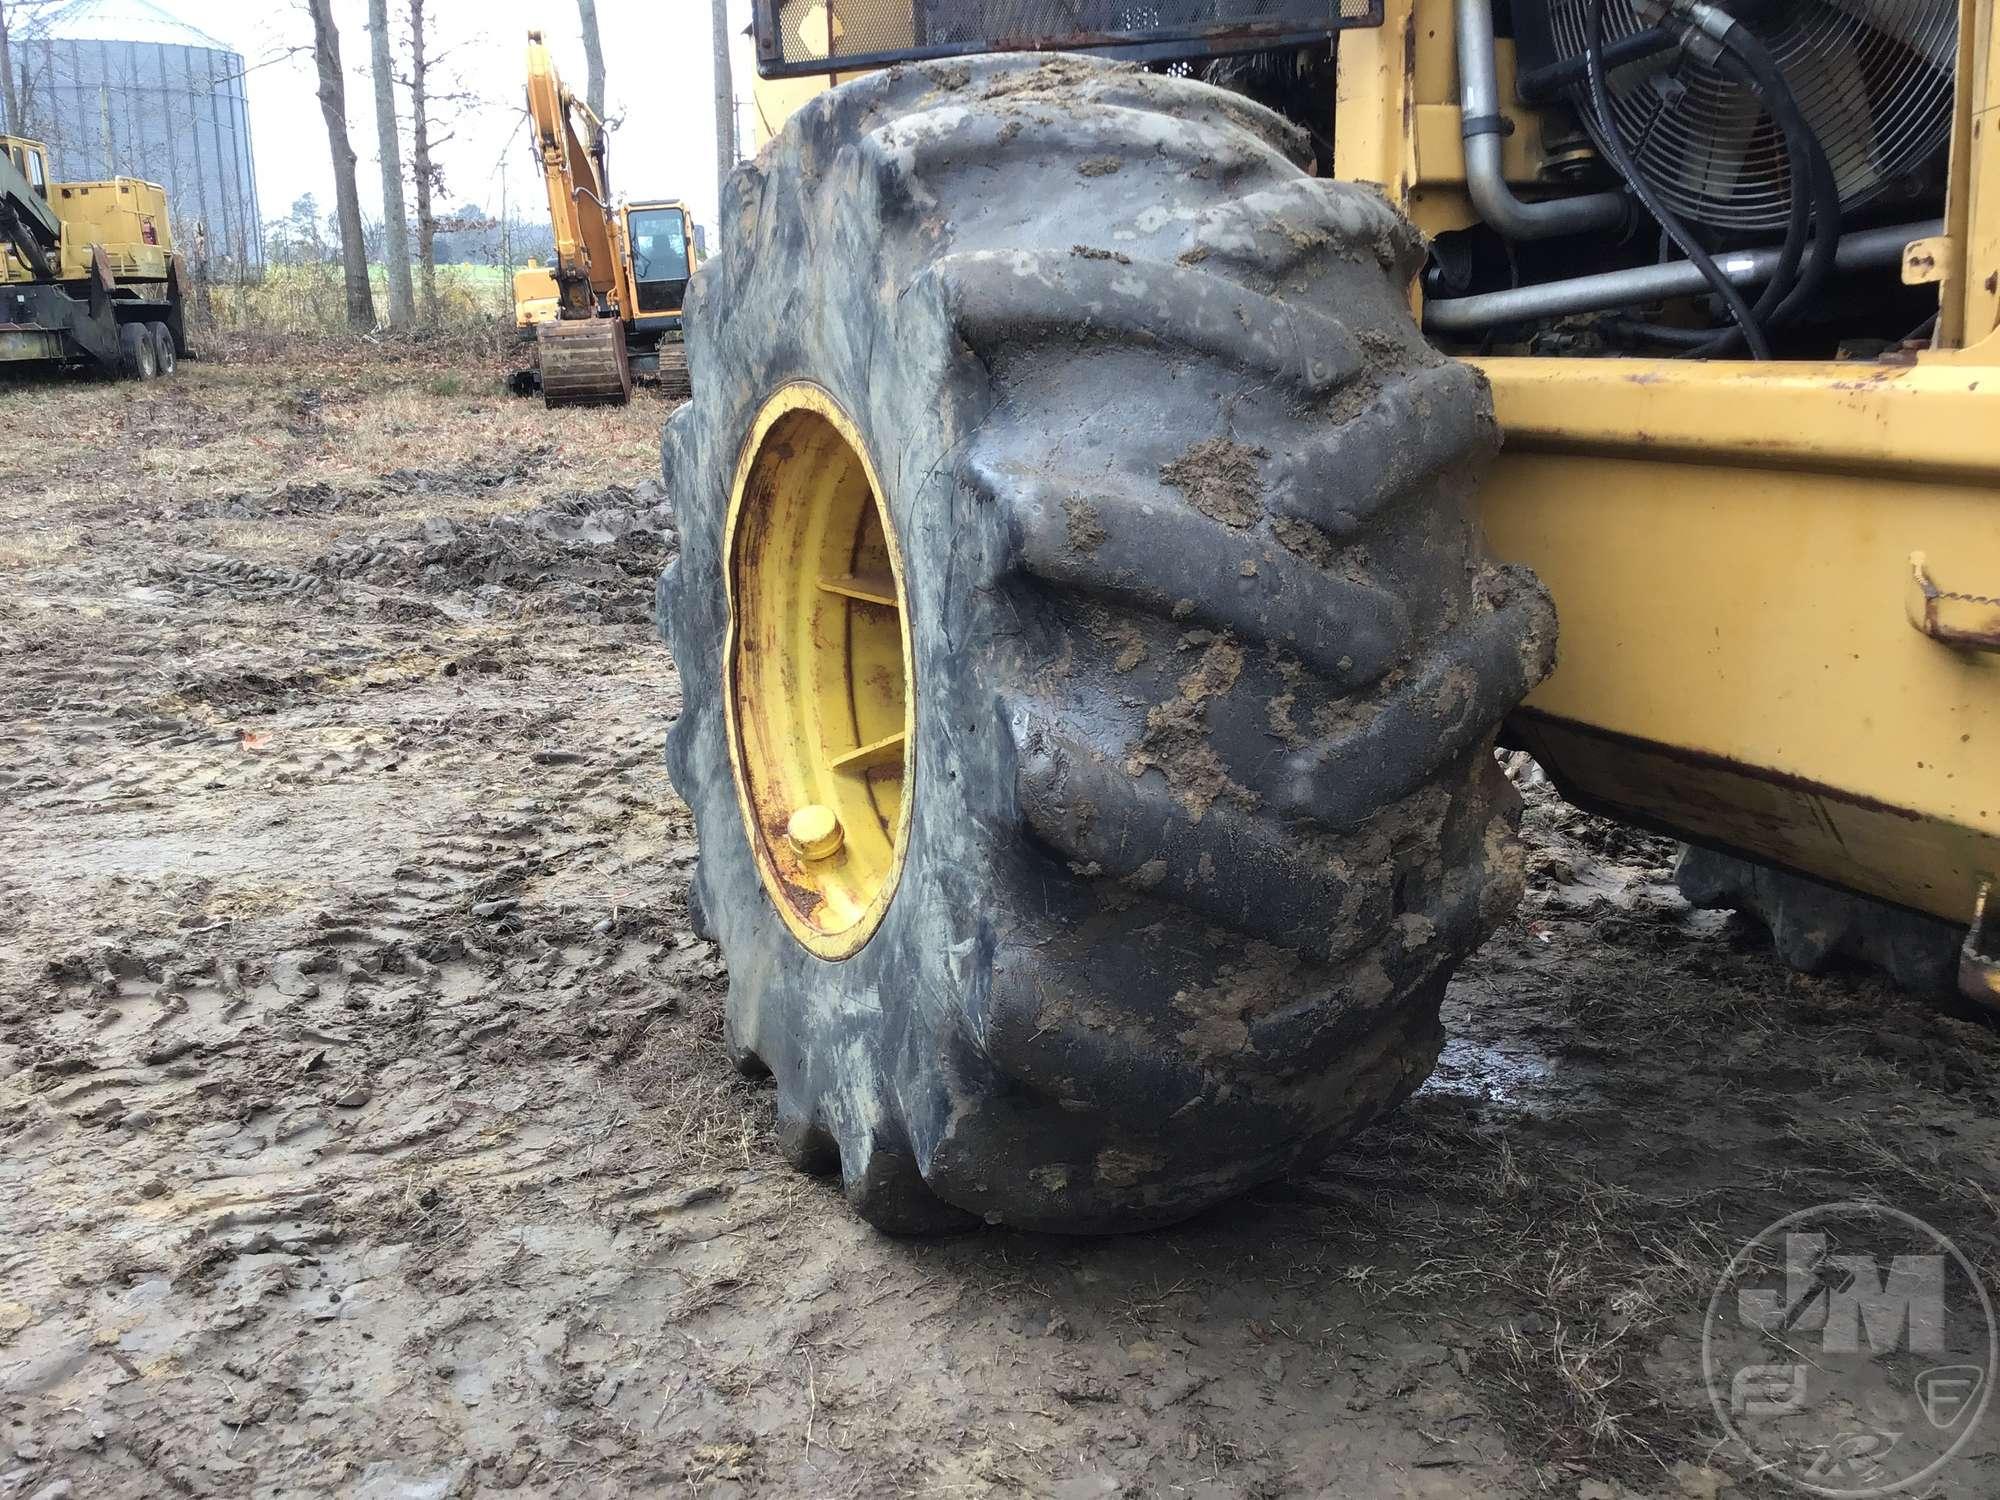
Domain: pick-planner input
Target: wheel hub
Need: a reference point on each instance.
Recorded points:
(819, 703)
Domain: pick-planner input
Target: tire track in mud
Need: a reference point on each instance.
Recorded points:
(337, 884)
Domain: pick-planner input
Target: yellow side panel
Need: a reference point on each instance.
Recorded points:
(536, 299)
(126, 217)
(1729, 550)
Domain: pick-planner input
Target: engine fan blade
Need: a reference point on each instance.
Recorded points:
(1928, 28)
(1716, 174)
(1832, 92)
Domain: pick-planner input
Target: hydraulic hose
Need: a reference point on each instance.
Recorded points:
(1815, 193)
(1606, 291)
(1614, 146)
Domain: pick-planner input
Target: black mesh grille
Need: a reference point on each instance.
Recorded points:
(815, 36)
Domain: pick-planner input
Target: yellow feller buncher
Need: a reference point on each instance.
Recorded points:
(88, 274)
(1129, 488)
(610, 306)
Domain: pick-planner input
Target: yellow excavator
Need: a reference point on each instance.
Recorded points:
(1131, 484)
(609, 308)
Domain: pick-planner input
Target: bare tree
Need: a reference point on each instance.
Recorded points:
(395, 225)
(422, 169)
(593, 84)
(10, 103)
(725, 108)
(347, 200)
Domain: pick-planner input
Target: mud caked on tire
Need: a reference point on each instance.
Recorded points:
(1205, 649)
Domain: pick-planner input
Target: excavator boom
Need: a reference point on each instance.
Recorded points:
(586, 268)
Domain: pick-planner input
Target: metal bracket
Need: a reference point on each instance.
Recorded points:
(1925, 260)
(1968, 621)
(1979, 959)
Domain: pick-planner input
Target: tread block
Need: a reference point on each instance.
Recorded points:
(1023, 298)
(1154, 554)
(1412, 431)
(1437, 713)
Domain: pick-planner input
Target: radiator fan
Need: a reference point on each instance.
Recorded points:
(1873, 79)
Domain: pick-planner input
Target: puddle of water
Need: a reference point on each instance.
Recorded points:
(1517, 1078)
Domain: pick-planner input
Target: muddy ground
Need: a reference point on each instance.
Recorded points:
(365, 1128)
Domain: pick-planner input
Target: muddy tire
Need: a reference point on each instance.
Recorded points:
(1815, 928)
(1207, 652)
(138, 357)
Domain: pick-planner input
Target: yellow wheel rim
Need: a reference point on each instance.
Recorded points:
(820, 704)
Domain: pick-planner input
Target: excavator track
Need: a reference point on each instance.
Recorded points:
(675, 383)
(584, 362)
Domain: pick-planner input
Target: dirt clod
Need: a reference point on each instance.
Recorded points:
(1220, 478)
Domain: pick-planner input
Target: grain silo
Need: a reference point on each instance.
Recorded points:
(122, 87)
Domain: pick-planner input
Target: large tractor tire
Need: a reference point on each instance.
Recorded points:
(1089, 654)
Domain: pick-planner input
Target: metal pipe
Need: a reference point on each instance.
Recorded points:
(1610, 290)
(1480, 127)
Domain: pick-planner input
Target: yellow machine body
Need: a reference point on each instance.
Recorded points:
(123, 218)
(87, 269)
(1730, 545)
(1779, 583)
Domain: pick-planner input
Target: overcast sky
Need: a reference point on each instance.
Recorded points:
(658, 78)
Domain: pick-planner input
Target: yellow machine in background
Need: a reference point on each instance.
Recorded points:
(610, 306)
(1778, 580)
(88, 273)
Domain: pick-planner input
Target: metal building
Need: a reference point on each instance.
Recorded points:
(122, 87)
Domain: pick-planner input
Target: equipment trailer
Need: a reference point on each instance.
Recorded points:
(88, 275)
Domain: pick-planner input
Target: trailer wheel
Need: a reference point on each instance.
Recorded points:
(1089, 654)
(139, 356)
(165, 357)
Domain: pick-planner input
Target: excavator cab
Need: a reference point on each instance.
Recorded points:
(658, 234)
(30, 158)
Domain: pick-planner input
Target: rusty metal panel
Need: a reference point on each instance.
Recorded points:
(799, 37)
(18, 344)
(1730, 551)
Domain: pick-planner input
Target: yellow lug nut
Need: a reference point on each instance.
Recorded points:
(815, 832)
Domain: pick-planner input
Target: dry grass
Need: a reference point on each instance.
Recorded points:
(1574, 1278)
(473, 302)
(1567, 1253)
